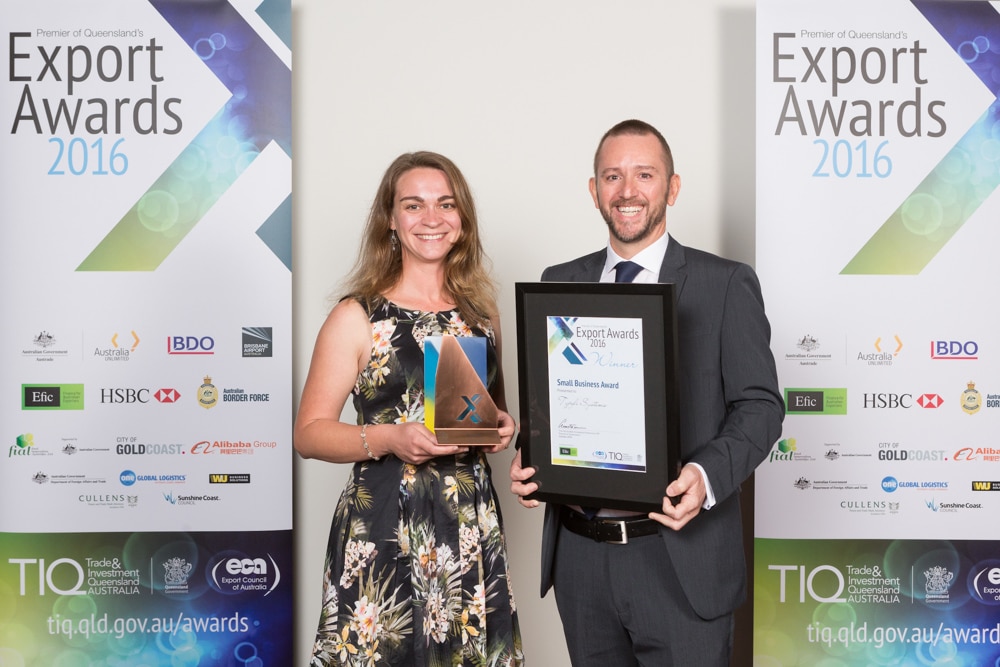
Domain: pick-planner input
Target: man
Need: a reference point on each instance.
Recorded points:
(666, 597)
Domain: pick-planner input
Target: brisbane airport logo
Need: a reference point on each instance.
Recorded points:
(52, 397)
(190, 345)
(121, 348)
(954, 350)
(827, 401)
(235, 572)
(257, 342)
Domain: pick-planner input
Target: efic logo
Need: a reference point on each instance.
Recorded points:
(190, 345)
(953, 349)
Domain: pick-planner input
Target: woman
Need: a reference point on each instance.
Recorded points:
(416, 570)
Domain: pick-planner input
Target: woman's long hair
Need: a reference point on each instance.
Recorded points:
(380, 266)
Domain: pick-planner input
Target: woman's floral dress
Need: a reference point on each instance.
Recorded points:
(416, 569)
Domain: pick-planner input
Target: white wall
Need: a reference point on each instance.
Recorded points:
(517, 94)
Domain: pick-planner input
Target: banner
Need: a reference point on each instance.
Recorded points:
(878, 157)
(146, 267)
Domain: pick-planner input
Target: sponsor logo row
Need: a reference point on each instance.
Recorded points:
(880, 352)
(787, 450)
(834, 400)
(229, 572)
(25, 446)
(870, 584)
(70, 396)
(128, 345)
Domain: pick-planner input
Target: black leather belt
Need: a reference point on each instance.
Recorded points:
(607, 529)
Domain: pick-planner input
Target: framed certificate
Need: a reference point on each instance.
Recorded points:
(597, 366)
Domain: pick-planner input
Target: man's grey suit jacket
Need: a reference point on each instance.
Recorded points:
(730, 413)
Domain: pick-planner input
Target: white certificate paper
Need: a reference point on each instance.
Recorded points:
(596, 392)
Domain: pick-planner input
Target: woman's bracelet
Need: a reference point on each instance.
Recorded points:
(364, 443)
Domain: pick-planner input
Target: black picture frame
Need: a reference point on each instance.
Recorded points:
(655, 305)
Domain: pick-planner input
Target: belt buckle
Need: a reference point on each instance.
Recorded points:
(621, 524)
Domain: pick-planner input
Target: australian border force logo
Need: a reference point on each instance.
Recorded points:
(971, 401)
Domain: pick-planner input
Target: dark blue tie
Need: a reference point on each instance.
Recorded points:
(626, 271)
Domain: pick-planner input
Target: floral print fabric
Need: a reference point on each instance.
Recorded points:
(416, 570)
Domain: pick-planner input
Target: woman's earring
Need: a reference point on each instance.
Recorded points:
(393, 241)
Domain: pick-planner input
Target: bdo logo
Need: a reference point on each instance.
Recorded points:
(190, 345)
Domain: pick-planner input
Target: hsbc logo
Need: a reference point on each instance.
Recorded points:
(167, 395)
(929, 401)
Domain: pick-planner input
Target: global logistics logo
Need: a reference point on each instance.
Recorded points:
(891, 484)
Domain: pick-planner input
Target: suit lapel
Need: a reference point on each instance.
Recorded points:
(593, 266)
(673, 269)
